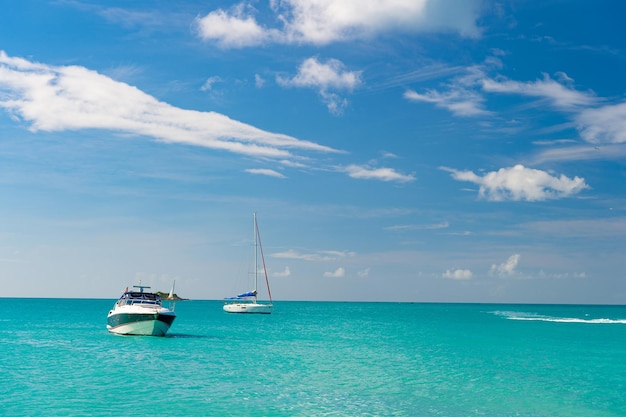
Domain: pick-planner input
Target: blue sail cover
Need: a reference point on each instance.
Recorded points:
(244, 295)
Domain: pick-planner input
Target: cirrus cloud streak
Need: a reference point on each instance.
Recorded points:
(382, 174)
(72, 97)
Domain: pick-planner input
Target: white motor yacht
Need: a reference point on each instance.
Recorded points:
(140, 313)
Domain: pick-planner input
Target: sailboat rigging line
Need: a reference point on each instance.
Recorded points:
(256, 225)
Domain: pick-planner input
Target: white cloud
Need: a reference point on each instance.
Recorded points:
(458, 274)
(322, 22)
(606, 124)
(72, 98)
(334, 102)
(507, 268)
(259, 81)
(561, 275)
(598, 125)
(464, 96)
(233, 29)
(461, 96)
(283, 274)
(129, 19)
(521, 183)
(406, 227)
(581, 153)
(559, 95)
(331, 74)
(382, 174)
(292, 164)
(326, 255)
(338, 273)
(460, 102)
(325, 77)
(364, 273)
(208, 84)
(390, 155)
(267, 172)
(326, 21)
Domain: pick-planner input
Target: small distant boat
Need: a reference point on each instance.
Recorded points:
(248, 302)
(140, 313)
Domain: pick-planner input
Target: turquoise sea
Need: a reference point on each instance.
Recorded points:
(316, 359)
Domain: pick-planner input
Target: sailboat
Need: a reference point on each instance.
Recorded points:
(247, 302)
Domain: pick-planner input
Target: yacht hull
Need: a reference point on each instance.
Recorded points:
(250, 308)
(140, 324)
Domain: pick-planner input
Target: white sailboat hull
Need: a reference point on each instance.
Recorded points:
(250, 308)
(247, 302)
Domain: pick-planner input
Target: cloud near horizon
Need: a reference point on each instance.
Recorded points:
(326, 255)
(407, 227)
(282, 274)
(506, 268)
(72, 97)
(458, 274)
(326, 21)
(519, 183)
(338, 273)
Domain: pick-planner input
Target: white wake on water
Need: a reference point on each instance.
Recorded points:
(525, 316)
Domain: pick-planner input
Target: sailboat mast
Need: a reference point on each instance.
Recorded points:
(256, 263)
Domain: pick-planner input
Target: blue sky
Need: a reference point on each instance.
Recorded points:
(399, 150)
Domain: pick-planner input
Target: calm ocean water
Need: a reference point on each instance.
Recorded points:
(316, 359)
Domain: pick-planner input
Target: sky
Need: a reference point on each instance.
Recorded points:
(399, 150)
